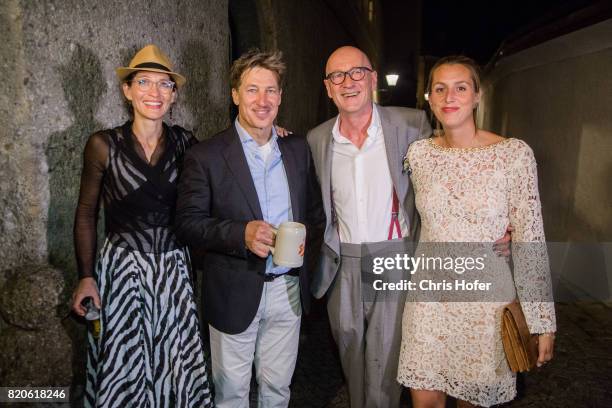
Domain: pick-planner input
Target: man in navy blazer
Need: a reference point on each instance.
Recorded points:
(234, 188)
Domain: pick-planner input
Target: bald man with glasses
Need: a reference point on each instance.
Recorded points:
(369, 207)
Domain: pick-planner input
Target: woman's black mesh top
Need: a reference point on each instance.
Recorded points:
(138, 196)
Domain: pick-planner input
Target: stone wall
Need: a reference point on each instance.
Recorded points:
(557, 97)
(36, 347)
(59, 86)
(24, 193)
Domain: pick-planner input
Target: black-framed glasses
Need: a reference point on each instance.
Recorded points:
(356, 74)
(145, 85)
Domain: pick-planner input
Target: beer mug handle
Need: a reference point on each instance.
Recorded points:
(275, 232)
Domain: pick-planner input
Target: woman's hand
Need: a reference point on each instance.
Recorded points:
(87, 288)
(546, 343)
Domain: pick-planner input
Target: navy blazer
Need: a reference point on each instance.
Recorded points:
(216, 200)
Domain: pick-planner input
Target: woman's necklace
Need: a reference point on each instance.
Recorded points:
(446, 142)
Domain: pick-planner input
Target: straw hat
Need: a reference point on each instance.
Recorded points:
(150, 58)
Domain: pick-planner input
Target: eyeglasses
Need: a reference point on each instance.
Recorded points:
(145, 85)
(356, 74)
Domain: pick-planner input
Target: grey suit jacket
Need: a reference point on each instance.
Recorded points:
(401, 127)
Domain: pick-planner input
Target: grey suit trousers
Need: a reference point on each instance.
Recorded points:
(367, 331)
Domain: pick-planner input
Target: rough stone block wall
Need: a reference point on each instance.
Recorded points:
(23, 191)
(58, 61)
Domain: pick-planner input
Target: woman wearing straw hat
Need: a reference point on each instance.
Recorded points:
(148, 351)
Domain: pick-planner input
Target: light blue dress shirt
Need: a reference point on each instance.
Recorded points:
(270, 182)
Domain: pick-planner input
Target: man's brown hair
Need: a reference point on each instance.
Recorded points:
(254, 58)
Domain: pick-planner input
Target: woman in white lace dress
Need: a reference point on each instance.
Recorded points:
(471, 184)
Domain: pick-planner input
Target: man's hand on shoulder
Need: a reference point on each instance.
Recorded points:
(502, 245)
(259, 237)
(281, 131)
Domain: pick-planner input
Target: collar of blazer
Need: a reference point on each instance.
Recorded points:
(237, 163)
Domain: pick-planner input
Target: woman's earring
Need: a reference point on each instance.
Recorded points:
(171, 115)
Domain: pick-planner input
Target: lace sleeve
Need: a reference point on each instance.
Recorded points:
(95, 161)
(531, 267)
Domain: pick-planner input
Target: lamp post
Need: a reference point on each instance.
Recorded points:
(392, 79)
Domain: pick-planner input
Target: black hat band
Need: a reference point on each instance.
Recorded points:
(152, 65)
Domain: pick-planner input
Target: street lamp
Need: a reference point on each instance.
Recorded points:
(392, 79)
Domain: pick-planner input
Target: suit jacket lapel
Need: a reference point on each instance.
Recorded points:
(293, 178)
(394, 156)
(326, 153)
(237, 163)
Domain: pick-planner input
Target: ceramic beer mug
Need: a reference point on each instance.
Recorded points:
(286, 251)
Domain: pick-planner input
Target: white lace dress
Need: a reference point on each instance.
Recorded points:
(471, 195)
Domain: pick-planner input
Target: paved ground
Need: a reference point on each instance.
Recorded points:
(579, 376)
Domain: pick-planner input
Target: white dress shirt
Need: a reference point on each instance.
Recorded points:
(362, 190)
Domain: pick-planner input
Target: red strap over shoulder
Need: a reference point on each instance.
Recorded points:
(394, 217)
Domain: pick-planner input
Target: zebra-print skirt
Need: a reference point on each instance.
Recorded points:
(149, 351)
